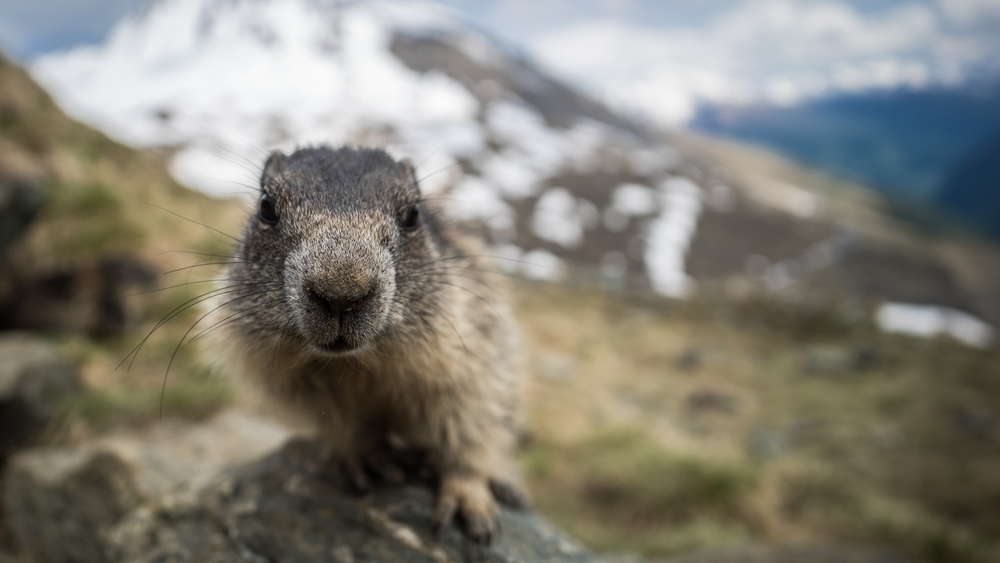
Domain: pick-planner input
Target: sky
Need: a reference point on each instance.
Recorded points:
(660, 59)
(31, 27)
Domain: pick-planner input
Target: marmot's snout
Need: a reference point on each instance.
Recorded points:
(327, 299)
(343, 298)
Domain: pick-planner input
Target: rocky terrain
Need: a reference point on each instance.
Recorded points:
(171, 495)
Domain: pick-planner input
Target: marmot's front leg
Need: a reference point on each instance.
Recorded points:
(357, 454)
(472, 478)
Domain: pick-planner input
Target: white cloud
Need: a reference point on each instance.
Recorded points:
(967, 12)
(781, 51)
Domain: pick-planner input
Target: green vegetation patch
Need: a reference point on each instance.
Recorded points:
(189, 393)
(89, 219)
(621, 489)
(626, 470)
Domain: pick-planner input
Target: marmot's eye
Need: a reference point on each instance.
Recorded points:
(268, 215)
(412, 218)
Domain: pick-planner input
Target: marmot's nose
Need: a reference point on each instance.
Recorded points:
(333, 302)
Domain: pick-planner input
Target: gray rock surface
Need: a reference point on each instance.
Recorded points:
(283, 509)
(59, 501)
(34, 379)
(189, 493)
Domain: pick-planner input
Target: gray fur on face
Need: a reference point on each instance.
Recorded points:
(334, 243)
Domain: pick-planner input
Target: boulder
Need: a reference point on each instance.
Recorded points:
(34, 379)
(282, 508)
(59, 501)
(178, 497)
(87, 296)
(20, 201)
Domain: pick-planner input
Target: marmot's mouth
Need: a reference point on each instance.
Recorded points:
(338, 346)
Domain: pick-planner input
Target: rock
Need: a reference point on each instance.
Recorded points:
(59, 501)
(87, 296)
(836, 360)
(975, 423)
(689, 360)
(173, 494)
(710, 400)
(282, 509)
(34, 380)
(767, 443)
(20, 200)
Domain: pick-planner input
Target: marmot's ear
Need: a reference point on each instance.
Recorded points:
(273, 167)
(407, 172)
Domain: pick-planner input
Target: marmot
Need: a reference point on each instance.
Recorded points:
(350, 298)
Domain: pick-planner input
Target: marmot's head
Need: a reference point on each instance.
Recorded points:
(336, 248)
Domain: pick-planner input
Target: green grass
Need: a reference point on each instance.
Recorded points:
(625, 471)
(621, 489)
(189, 393)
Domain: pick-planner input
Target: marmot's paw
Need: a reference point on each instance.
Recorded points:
(469, 496)
(381, 464)
(359, 471)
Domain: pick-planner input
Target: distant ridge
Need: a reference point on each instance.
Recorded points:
(904, 143)
(972, 188)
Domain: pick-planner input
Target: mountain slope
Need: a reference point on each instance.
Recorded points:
(561, 186)
(100, 192)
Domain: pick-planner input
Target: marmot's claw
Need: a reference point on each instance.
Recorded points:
(470, 497)
(479, 527)
(510, 495)
(444, 513)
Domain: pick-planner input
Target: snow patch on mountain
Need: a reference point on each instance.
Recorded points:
(932, 321)
(221, 78)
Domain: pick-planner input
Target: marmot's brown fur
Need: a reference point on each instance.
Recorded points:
(351, 299)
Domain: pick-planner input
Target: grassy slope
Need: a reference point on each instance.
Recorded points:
(661, 428)
(973, 261)
(106, 198)
(656, 427)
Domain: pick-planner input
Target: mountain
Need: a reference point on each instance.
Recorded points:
(972, 188)
(904, 143)
(562, 187)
